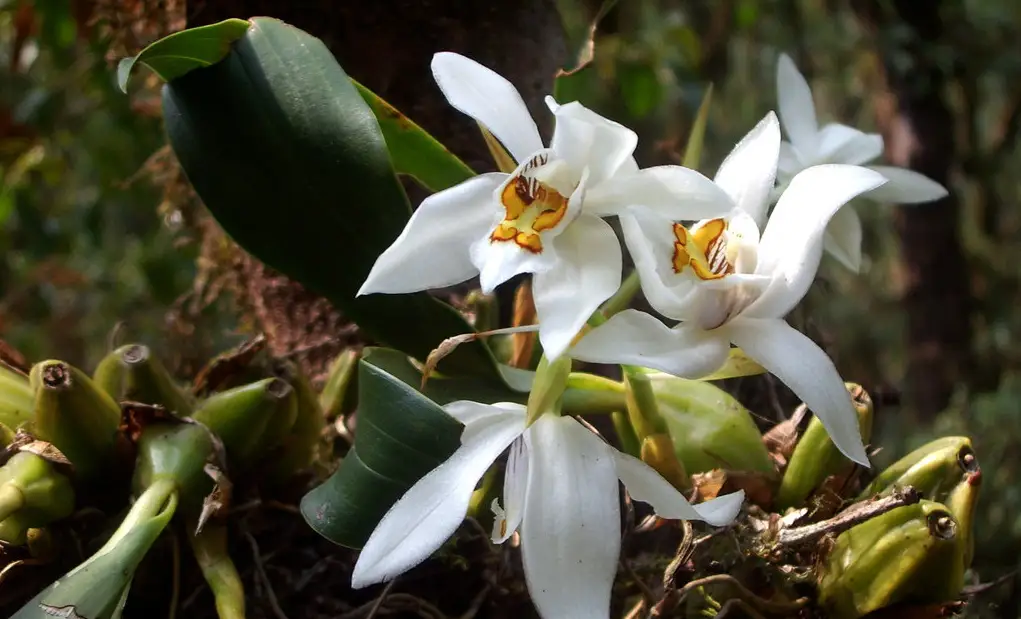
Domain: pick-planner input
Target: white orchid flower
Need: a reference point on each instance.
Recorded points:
(545, 217)
(811, 145)
(728, 286)
(560, 493)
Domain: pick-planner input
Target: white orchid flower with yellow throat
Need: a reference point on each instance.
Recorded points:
(543, 218)
(727, 285)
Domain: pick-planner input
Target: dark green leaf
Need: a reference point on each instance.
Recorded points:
(402, 435)
(290, 160)
(413, 151)
(177, 54)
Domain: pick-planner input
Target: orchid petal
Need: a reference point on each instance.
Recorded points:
(515, 486)
(749, 171)
(603, 146)
(842, 144)
(791, 246)
(797, 110)
(499, 261)
(843, 238)
(789, 163)
(808, 371)
(644, 484)
(430, 512)
(570, 535)
(588, 273)
(650, 241)
(636, 338)
(433, 250)
(675, 192)
(476, 417)
(906, 187)
(490, 99)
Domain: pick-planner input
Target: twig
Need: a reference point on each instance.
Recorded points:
(420, 606)
(756, 602)
(741, 605)
(647, 593)
(855, 514)
(477, 601)
(379, 601)
(986, 586)
(260, 570)
(175, 582)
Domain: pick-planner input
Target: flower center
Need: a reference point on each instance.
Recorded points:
(531, 207)
(703, 248)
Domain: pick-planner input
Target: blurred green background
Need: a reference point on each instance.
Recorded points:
(93, 250)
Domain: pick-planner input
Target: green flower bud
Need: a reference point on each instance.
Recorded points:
(909, 554)
(32, 494)
(932, 469)
(133, 373)
(77, 417)
(816, 457)
(710, 429)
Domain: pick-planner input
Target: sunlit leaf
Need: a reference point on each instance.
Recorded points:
(177, 54)
(413, 150)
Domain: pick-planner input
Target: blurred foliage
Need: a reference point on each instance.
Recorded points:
(82, 246)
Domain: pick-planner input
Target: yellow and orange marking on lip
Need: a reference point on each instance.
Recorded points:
(704, 249)
(531, 207)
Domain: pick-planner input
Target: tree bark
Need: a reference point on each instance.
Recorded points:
(918, 128)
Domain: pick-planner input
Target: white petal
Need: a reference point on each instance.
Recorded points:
(502, 261)
(842, 144)
(675, 192)
(587, 274)
(636, 338)
(650, 241)
(843, 238)
(587, 139)
(433, 251)
(797, 111)
(804, 367)
(490, 99)
(906, 187)
(476, 417)
(570, 535)
(430, 512)
(789, 163)
(644, 484)
(748, 172)
(791, 246)
(515, 486)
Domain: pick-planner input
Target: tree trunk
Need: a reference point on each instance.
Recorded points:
(918, 128)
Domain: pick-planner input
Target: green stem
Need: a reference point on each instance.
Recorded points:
(591, 394)
(626, 434)
(642, 407)
(11, 500)
(210, 548)
(619, 301)
(149, 505)
(548, 388)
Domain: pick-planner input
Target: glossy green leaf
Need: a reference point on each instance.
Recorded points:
(413, 150)
(291, 162)
(177, 54)
(402, 435)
